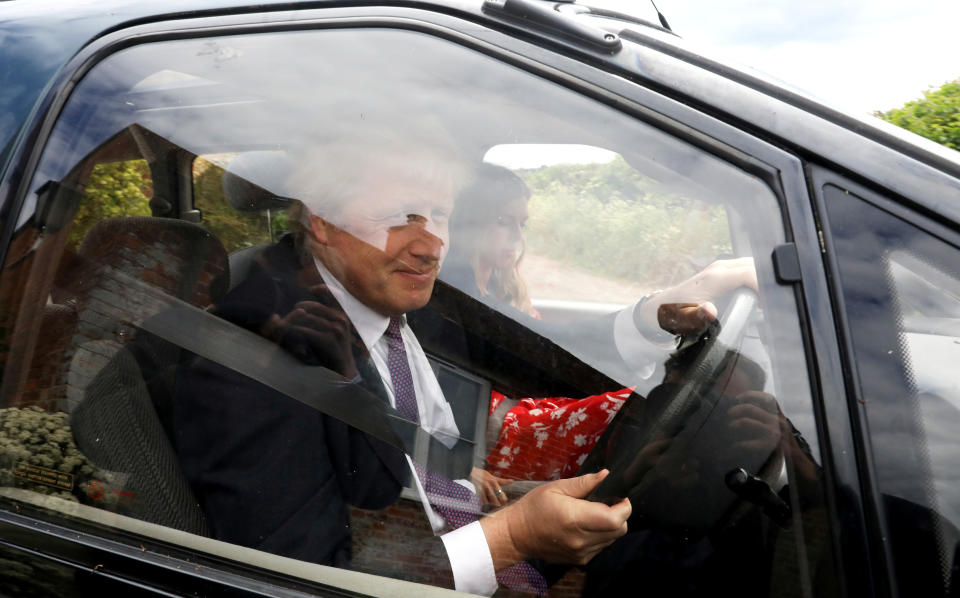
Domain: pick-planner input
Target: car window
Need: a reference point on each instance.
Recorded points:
(902, 294)
(578, 187)
(332, 309)
(235, 228)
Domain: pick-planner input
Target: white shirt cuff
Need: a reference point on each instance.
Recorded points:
(470, 560)
(634, 348)
(467, 484)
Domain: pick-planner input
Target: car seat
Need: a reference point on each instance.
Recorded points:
(139, 267)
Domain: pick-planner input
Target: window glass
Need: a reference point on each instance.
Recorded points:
(115, 189)
(236, 227)
(575, 188)
(901, 287)
(367, 301)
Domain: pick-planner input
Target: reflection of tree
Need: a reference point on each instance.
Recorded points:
(235, 229)
(115, 189)
(612, 220)
(124, 188)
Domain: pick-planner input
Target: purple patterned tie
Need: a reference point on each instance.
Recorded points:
(455, 503)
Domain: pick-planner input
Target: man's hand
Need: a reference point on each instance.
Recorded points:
(489, 487)
(553, 522)
(687, 308)
(323, 329)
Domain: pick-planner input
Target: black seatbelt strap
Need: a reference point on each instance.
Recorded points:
(255, 357)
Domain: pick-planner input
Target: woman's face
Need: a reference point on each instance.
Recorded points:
(503, 243)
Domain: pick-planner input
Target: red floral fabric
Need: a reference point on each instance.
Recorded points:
(548, 439)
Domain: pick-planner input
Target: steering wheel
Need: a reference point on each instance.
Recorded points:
(716, 341)
(685, 417)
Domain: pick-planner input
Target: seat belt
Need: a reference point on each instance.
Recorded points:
(255, 357)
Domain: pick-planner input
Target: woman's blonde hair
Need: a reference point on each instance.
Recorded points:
(475, 211)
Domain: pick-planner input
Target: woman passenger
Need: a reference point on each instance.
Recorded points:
(539, 439)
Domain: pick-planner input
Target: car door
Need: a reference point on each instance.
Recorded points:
(163, 179)
(895, 290)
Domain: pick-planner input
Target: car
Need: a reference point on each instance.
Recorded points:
(800, 443)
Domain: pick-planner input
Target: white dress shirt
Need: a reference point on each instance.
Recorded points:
(466, 547)
(634, 348)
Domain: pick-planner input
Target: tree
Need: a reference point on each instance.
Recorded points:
(236, 229)
(596, 216)
(115, 189)
(936, 115)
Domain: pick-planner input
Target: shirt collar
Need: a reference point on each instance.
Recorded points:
(370, 324)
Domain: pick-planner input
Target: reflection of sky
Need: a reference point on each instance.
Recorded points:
(32, 52)
(912, 408)
(228, 94)
(39, 36)
(933, 363)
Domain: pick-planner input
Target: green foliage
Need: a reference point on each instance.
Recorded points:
(115, 189)
(34, 437)
(609, 219)
(234, 228)
(936, 115)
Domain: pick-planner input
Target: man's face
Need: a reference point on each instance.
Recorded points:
(387, 243)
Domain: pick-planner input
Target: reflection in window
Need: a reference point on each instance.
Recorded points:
(590, 220)
(930, 311)
(609, 210)
(114, 189)
(900, 286)
(223, 212)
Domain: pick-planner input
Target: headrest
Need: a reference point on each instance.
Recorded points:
(256, 181)
(179, 257)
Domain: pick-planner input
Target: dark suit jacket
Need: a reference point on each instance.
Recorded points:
(270, 472)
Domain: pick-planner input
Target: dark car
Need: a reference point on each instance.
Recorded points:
(153, 163)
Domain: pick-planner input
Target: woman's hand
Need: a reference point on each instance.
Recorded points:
(688, 308)
(489, 487)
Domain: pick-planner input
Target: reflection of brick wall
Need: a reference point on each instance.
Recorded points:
(569, 586)
(78, 338)
(46, 382)
(24, 289)
(127, 269)
(395, 542)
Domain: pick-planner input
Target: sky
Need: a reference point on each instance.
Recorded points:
(858, 55)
